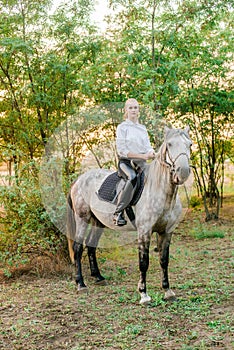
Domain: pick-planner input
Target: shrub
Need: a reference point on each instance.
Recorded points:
(195, 201)
(26, 228)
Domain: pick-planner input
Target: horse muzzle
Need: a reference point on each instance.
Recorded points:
(180, 175)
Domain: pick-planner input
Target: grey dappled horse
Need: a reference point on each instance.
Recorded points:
(158, 210)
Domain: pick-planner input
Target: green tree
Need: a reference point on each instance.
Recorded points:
(39, 67)
(205, 101)
(39, 64)
(188, 76)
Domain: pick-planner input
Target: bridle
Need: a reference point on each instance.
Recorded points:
(171, 165)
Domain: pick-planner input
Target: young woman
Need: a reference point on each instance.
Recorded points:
(133, 149)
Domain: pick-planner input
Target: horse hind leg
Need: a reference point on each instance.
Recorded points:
(78, 217)
(78, 248)
(78, 251)
(91, 243)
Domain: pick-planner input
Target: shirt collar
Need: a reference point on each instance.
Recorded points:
(130, 122)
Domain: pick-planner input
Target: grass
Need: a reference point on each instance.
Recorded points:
(201, 232)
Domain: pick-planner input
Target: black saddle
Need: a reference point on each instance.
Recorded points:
(112, 185)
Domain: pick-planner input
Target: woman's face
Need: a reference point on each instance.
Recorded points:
(132, 109)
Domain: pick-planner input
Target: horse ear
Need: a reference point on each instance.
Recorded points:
(166, 130)
(187, 129)
(163, 150)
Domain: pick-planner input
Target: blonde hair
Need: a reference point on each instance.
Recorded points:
(130, 100)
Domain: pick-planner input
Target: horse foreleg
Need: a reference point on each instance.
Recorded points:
(78, 251)
(163, 249)
(143, 246)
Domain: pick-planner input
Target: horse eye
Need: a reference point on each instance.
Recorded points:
(169, 144)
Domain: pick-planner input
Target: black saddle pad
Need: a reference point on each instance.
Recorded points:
(108, 189)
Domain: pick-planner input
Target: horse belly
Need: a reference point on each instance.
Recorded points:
(104, 211)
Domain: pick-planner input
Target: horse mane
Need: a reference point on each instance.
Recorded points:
(158, 168)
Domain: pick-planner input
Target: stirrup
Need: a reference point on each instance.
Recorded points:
(119, 219)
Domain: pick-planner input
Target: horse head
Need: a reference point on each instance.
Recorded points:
(176, 153)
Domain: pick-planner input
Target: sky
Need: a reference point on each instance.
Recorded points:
(101, 9)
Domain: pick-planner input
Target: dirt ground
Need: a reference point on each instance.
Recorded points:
(41, 309)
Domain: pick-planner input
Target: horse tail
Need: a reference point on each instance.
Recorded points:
(71, 227)
(70, 248)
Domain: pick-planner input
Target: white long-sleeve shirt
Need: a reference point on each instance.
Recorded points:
(132, 137)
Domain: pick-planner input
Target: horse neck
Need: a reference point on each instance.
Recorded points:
(159, 180)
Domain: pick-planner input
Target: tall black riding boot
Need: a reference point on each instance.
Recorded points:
(124, 199)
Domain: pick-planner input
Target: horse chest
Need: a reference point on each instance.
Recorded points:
(158, 215)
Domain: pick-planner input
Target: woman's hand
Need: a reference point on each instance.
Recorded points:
(150, 155)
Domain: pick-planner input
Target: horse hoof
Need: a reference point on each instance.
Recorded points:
(170, 295)
(82, 290)
(101, 282)
(145, 299)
